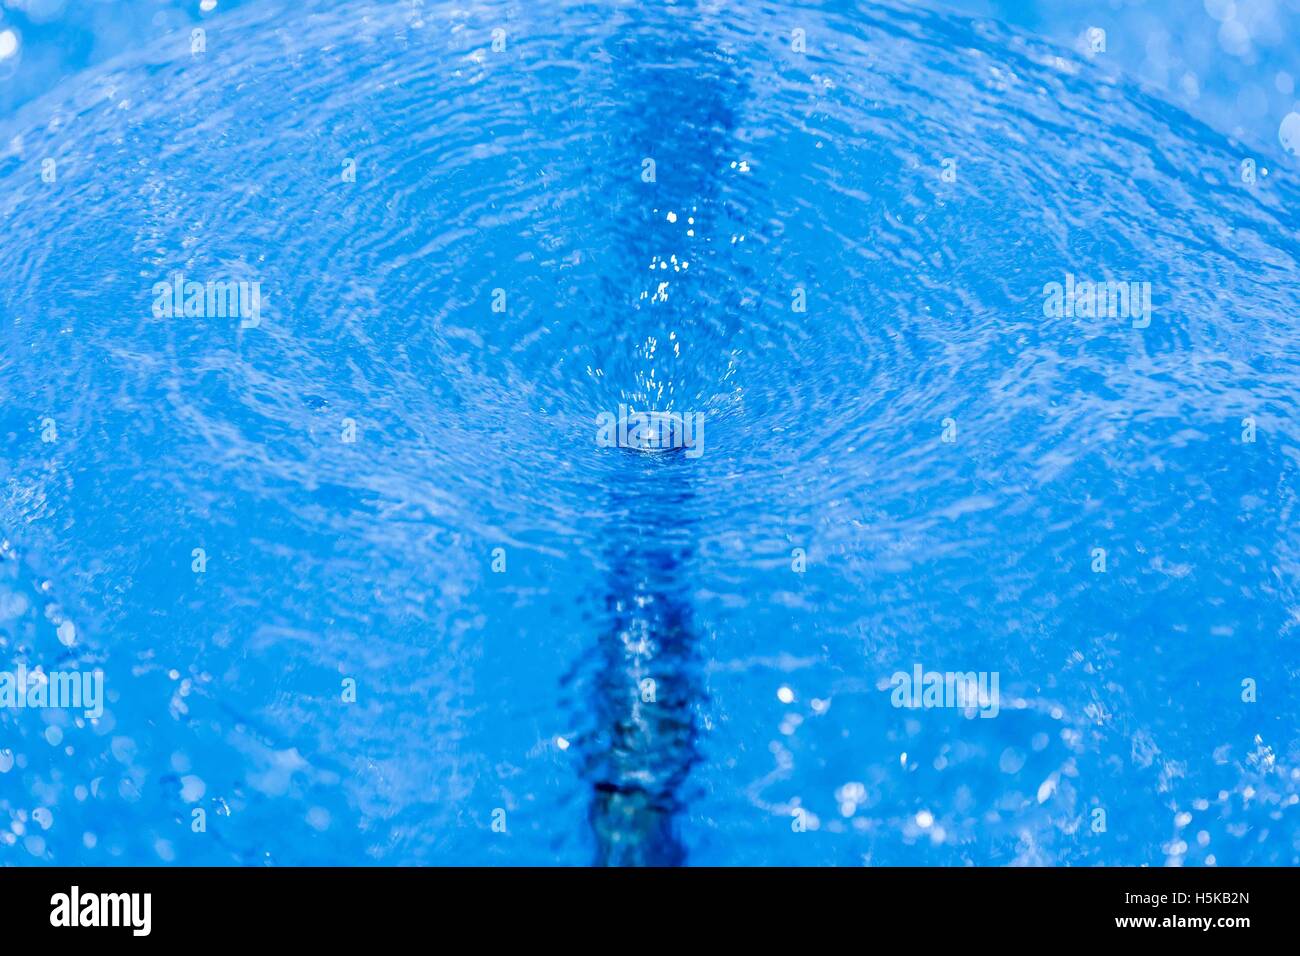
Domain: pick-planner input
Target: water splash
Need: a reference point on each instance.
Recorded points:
(835, 301)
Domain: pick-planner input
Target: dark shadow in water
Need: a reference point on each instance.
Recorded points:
(647, 686)
(679, 94)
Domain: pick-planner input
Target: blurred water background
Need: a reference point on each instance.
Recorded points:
(1233, 63)
(497, 587)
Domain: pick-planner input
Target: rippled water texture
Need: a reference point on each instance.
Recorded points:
(525, 690)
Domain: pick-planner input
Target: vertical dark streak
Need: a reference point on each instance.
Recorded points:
(647, 687)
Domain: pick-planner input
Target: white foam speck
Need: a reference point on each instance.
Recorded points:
(1289, 133)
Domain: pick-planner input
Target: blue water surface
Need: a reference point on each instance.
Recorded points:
(906, 461)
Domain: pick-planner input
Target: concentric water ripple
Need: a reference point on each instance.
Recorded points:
(498, 273)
